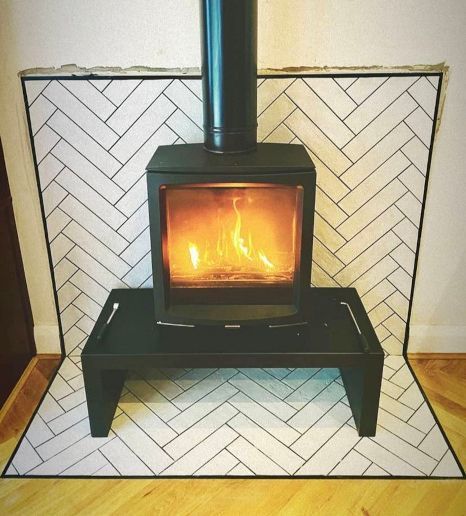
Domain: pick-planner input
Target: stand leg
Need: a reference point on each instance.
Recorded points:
(363, 390)
(103, 389)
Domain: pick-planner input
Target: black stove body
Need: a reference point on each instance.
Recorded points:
(231, 221)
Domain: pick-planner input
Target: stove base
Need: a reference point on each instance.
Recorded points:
(328, 338)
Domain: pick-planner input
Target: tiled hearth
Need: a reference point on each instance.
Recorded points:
(235, 422)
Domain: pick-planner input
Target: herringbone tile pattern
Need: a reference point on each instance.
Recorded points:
(369, 138)
(234, 422)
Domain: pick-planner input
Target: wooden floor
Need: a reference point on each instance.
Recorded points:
(444, 382)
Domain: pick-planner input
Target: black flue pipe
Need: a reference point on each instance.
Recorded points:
(229, 74)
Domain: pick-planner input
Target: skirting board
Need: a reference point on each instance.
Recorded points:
(437, 339)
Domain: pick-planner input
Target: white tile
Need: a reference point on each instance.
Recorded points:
(240, 470)
(63, 271)
(412, 396)
(90, 97)
(86, 284)
(221, 464)
(274, 425)
(275, 113)
(378, 154)
(361, 88)
(90, 198)
(418, 153)
(385, 459)
(66, 294)
(265, 398)
(26, 458)
(49, 408)
(408, 232)
(317, 407)
(87, 466)
(434, 444)
(421, 125)
(374, 275)
(118, 90)
(163, 408)
(73, 400)
(254, 459)
(106, 471)
(141, 444)
(140, 273)
(63, 440)
(405, 451)
(93, 268)
(422, 419)
(377, 102)
(40, 112)
(80, 114)
(318, 143)
(52, 197)
(425, 95)
(415, 181)
(34, 89)
(89, 221)
(380, 126)
(267, 444)
(183, 98)
(208, 384)
(44, 140)
(319, 113)
(152, 425)
(135, 167)
(136, 224)
(331, 453)
(69, 418)
(200, 431)
(352, 464)
(74, 336)
(374, 183)
(123, 459)
(398, 427)
(136, 104)
(312, 387)
(38, 432)
(374, 471)
(83, 143)
(395, 407)
(88, 306)
(403, 377)
(59, 388)
(447, 467)
(162, 383)
(333, 94)
(143, 129)
(269, 91)
(202, 453)
(323, 430)
(96, 249)
(56, 221)
(69, 317)
(133, 198)
(372, 209)
(70, 456)
(266, 380)
(184, 127)
(204, 406)
(137, 249)
(89, 173)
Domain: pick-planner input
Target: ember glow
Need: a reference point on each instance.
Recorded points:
(231, 236)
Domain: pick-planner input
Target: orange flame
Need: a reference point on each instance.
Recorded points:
(243, 246)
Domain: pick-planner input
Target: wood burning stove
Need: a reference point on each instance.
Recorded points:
(231, 234)
(231, 231)
(231, 221)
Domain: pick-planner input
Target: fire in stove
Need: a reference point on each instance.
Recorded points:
(232, 235)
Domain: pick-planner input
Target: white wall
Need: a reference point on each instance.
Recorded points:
(292, 33)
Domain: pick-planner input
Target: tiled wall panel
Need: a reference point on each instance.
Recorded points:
(368, 136)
